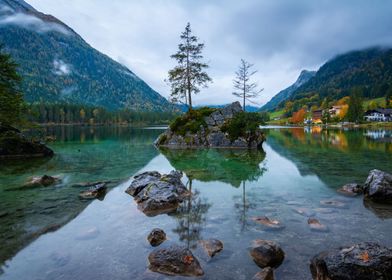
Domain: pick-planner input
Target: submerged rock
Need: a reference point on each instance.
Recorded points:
(333, 203)
(304, 212)
(96, 191)
(362, 261)
(267, 253)
(158, 194)
(266, 274)
(315, 225)
(352, 189)
(156, 237)
(42, 181)
(211, 246)
(378, 186)
(13, 144)
(271, 224)
(174, 260)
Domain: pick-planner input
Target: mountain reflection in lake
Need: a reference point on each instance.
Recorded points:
(297, 170)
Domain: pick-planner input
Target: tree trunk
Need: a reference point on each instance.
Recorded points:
(244, 96)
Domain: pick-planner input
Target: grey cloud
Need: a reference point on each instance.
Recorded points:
(280, 37)
(31, 22)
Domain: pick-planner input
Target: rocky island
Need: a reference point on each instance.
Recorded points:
(227, 127)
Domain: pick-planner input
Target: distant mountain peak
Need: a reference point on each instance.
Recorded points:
(285, 94)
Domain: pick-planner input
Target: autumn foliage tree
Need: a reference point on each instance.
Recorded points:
(299, 116)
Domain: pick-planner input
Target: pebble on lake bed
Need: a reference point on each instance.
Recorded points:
(315, 225)
(270, 223)
(333, 203)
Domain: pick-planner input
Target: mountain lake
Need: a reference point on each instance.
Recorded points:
(50, 233)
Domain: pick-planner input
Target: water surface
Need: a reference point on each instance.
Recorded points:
(107, 239)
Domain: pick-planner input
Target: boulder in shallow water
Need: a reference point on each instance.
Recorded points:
(267, 253)
(362, 261)
(315, 225)
(378, 186)
(158, 194)
(175, 260)
(352, 189)
(211, 246)
(156, 237)
(141, 181)
(96, 191)
(42, 181)
(266, 274)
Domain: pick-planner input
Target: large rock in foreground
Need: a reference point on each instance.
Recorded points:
(205, 128)
(13, 144)
(378, 186)
(175, 260)
(266, 253)
(158, 194)
(362, 261)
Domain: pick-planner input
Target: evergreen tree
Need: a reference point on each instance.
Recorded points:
(246, 88)
(11, 99)
(188, 76)
(355, 107)
(388, 98)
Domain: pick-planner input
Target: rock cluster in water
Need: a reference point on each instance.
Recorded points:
(212, 135)
(157, 194)
(13, 144)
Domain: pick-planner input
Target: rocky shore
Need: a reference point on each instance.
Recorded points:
(13, 144)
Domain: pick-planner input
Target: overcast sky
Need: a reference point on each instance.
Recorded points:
(280, 37)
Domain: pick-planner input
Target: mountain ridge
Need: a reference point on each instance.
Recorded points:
(368, 69)
(286, 93)
(58, 65)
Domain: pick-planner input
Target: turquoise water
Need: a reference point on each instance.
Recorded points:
(50, 234)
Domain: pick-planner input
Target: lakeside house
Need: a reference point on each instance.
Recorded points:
(317, 116)
(335, 111)
(378, 115)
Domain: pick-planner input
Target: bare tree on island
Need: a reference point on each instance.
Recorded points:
(188, 76)
(246, 89)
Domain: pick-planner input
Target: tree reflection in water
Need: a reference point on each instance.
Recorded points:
(191, 216)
